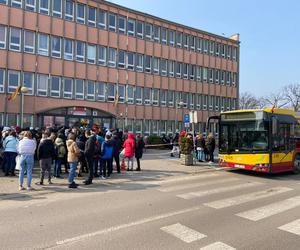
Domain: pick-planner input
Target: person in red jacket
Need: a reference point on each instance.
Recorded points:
(129, 146)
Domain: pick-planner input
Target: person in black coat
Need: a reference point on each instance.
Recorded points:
(117, 144)
(211, 144)
(139, 147)
(89, 152)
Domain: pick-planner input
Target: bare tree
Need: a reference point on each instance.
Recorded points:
(291, 94)
(276, 100)
(248, 101)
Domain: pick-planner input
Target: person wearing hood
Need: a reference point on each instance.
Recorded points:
(46, 154)
(60, 154)
(89, 152)
(73, 155)
(129, 146)
(107, 156)
(10, 153)
(117, 148)
(139, 147)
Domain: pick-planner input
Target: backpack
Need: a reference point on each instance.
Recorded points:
(60, 151)
(97, 148)
(107, 151)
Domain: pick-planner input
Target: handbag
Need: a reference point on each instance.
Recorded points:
(122, 153)
(199, 148)
(18, 166)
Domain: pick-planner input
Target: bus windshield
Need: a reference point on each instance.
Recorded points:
(244, 136)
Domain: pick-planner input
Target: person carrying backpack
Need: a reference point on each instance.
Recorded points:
(61, 151)
(107, 155)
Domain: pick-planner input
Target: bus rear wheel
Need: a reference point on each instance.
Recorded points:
(296, 167)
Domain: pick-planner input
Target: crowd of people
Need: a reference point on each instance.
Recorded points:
(92, 151)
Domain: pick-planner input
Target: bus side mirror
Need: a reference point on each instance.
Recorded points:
(274, 126)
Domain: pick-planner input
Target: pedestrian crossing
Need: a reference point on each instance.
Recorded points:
(286, 199)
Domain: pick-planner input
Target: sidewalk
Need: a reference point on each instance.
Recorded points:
(157, 165)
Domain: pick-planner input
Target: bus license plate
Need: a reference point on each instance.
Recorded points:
(239, 166)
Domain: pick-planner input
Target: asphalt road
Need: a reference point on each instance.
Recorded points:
(210, 210)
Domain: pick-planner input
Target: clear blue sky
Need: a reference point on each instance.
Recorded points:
(269, 32)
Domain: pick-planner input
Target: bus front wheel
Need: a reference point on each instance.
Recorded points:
(296, 168)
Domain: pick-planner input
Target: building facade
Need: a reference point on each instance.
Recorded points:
(95, 62)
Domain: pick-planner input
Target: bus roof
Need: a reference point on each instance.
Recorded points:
(267, 110)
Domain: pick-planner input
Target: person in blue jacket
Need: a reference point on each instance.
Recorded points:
(10, 153)
(107, 156)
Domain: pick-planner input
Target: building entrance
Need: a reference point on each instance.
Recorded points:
(75, 117)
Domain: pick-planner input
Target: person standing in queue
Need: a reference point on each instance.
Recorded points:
(72, 158)
(117, 148)
(89, 152)
(129, 146)
(139, 147)
(211, 144)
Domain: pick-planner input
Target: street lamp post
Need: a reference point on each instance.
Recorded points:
(180, 103)
(24, 90)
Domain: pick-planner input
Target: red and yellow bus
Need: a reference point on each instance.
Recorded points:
(266, 140)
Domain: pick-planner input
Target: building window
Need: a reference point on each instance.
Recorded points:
(205, 46)
(154, 125)
(192, 42)
(147, 96)
(2, 80)
(122, 25)
(179, 39)
(3, 2)
(171, 98)
(171, 68)
(139, 63)
(148, 64)
(55, 87)
(233, 79)
(163, 35)
(171, 37)
(101, 91)
(68, 88)
(186, 41)
(56, 46)
(178, 69)
(228, 78)
(223, 49)
(80, 51)
(102, 55)
(229, 51)
(217, 104)
(192, 72)
(210, 102)
(13, 81)
(44, 7)
(42, 85)
(199, 73)
(163, 66)
(138, 126)
(148, 31)
(155, 97)
(192, 100)
(131, 27)
(16, 3)
(217, 46)
(211, 75)
(222, 77)
(43, 44)
(69, 10)
(29, 41)
(204, 76)
(110, 92)
(92, 16)
(91, 54)
(146, 127)
(155, 65)
(2, 37)
(80, 16)
(185, 71)
(198, 102)
(68, 49)
(56, 8)
(28, 82)
(199, 44)
(30, 5)
(130, 61)
(156, 33)
(111, 57)
(204, 105)
(121, 93)
(112, 22)
(211, 47)
(217, 76)
(102, 19)
(79, 89)
(130, 94)
(140, 29)
(138, 96)
(90, 90)
(15, 39)
(184, 97)
(163, 98)
(121, 59)
(234, 53)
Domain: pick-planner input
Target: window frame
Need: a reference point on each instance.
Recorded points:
(93, 59)
(90, 96)
(102, 25)
(138, 34)
(149, 36)
(122, 30)
(55, 93)
(139, 59)
(43, 10)
(29, 48)
(3, 42)
(80, 58)
(11, 87)
(80, 19)
(43, 51)
(69, 16)
(2, 81)
(29, 88)
(67, 54)
(102, 60)
(110, 98)
(112, 28)
(130, 100)
(67, 94)
(91, 22)
(155, 65)
(56, 53)
(164, 70)
(101, 95)
(15, 46)
(148, 66)
(40, 91)
(131, 32)
(130, 63)
(56, 13)
(121, 59)
(138, 99)
(29, 6)
(79, 95)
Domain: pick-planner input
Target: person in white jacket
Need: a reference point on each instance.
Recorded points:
(26, 148)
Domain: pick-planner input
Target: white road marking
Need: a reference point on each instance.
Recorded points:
(237, 200)
(192, 195)
(292, 227)
(122, 226)
(183, 233)
(193, 185)
(272, 209)
(217, 246)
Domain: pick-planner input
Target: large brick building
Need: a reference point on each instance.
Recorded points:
(91, 61)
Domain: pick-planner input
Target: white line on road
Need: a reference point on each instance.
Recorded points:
(272, 209)
(183, 233)
(237, 200)
(217, 246)
(192, 195)
(122, 226)
(292, 227)
(193, 185)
